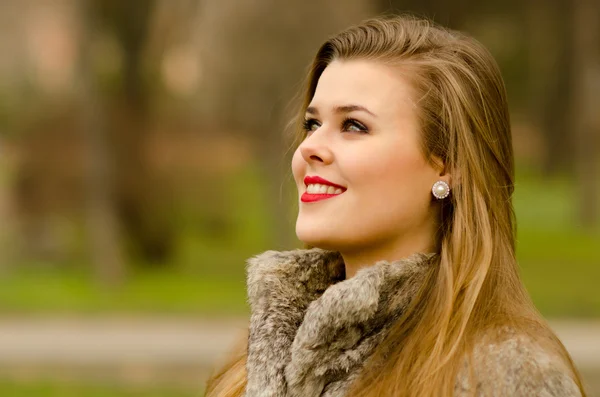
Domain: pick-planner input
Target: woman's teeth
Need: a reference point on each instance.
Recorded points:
(322, 189)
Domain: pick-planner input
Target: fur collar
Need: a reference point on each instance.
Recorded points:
(311, 330)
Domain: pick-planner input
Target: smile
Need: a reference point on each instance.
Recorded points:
(316, 188)
(317, 192)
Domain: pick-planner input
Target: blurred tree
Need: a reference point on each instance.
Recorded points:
(584, 116)
(452, 14)
(564, 73)
(102, 220)
(141, 200)
(550, 31)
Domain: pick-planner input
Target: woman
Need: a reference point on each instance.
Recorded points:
(405, 175)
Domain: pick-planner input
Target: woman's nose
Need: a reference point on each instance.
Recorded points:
(315, 149)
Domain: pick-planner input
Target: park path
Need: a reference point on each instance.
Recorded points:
(153, 348)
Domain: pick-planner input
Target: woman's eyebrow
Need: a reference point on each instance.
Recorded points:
(341, 109)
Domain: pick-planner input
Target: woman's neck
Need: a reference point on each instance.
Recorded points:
(368, 256)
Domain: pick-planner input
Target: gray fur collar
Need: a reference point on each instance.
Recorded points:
(311, 330)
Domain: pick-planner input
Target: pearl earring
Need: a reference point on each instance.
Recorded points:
(440, 190)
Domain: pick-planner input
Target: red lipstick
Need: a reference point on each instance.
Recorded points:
(317, 179)
(311, 197)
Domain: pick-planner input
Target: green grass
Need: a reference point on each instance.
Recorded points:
(11, 388)
(151, 293)
(561, 272)
(560, 262)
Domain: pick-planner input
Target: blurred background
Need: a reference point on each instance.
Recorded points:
(144, 157)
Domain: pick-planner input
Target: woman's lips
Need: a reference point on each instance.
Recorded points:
(310, 179)
(309, 197)
(317, 180)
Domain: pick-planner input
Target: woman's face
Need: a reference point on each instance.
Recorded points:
(363, 135)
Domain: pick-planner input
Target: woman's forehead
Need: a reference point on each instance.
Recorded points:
(380, 88)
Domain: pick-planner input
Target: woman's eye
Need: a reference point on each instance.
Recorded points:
(350, 125)
(354, 125)
(311, 125)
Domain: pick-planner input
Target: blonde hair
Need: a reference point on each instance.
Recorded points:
(475, 288)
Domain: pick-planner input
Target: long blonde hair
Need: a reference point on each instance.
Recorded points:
(475, 288)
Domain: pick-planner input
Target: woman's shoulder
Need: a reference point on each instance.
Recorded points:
(509, 362)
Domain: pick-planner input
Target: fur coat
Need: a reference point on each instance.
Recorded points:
(311, 331)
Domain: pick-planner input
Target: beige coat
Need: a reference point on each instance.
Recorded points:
(311, 331)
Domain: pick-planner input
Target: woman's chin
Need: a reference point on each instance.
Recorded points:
(323, 243)
(316, 239)
(310, 232)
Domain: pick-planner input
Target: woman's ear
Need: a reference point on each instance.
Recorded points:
(440, 167)
(443, 172)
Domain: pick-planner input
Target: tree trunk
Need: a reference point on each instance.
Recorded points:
(102, 220)
(141, 198)
(584, 108)
(550, 80)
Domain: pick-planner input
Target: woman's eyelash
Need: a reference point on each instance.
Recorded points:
(349, 121)
(308, 125)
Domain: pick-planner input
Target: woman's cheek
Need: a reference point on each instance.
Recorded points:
(298, 167)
